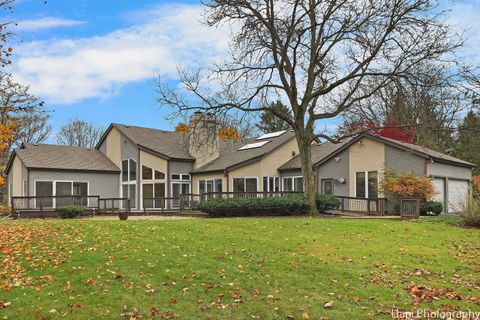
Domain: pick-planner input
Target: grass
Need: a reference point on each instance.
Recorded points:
(241, 268)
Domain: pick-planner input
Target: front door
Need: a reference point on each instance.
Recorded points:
(327, 186)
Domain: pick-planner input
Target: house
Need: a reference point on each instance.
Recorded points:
(354, 167)
(147, 165)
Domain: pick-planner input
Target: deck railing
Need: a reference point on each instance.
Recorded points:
(49, 203)
(45, 206)
(113, 205)
(225, 195)
(368, 205)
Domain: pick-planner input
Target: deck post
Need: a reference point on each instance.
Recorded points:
(368, 206)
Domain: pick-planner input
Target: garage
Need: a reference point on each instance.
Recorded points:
(439, 184)
(458, 191)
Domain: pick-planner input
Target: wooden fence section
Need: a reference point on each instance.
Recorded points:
(364, 205)
(410, 208)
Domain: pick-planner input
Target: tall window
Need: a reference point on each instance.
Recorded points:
(294, 184)
(271, 184)
(366, 184)
(129, 181)
(245, 185)
(153, 188)
(210, 185)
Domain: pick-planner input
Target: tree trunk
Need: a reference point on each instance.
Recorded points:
(305, 149)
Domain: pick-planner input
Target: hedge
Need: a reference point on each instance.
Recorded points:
(70, 211)
(431, 208)
(326, 202)
(267, 206)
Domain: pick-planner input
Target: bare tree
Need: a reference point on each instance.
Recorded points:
(5, 34)
(79, 133)
(429, 103)
(323, 56)
(34, 128)
(22, 116)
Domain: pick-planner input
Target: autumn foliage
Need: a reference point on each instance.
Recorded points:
(182, 128)
(392, 129)
(227, 133)
(407, 186)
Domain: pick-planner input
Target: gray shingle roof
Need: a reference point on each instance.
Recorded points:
(323, 151)
(168, 143)
(429, 152)
(230, 155)
(47, 156)
(319, 152)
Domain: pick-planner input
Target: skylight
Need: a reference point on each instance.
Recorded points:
(254, 145)
(271, 135)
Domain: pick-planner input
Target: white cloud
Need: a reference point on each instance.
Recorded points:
(70, 70)
(46, 23)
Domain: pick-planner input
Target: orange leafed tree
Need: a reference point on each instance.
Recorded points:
(227, 133)
(407, 186)
(182, 128)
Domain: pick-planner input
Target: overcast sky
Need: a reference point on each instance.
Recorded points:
(96, 60)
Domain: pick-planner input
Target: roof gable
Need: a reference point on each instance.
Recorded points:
(162, 143)
(325, 151)
(56, 157)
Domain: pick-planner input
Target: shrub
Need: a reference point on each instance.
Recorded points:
(70, 211)
(470, 215)
(433, 208)
(267, 206)
(400, 185)
(326, 202)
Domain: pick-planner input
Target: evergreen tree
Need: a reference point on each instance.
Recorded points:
(270, 122)
(467, 146)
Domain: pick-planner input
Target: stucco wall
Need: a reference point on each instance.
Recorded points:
(366, 156)
(450, 171)
(105, 185)
(113, 147)
(333, 169)
(403, 161)
(17, 174)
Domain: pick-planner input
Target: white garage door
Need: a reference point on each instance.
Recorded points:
(439, 184)
(457, 195)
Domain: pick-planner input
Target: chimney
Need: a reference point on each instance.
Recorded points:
(203, 138)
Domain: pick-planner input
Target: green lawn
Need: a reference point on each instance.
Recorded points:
(235, 268)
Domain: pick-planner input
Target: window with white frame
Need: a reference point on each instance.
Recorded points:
(153, 188)
(294, 184)
(129, 181)
(366, 184)
(210, 185)
(58, 189)
(271, 184)
(245, 184)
